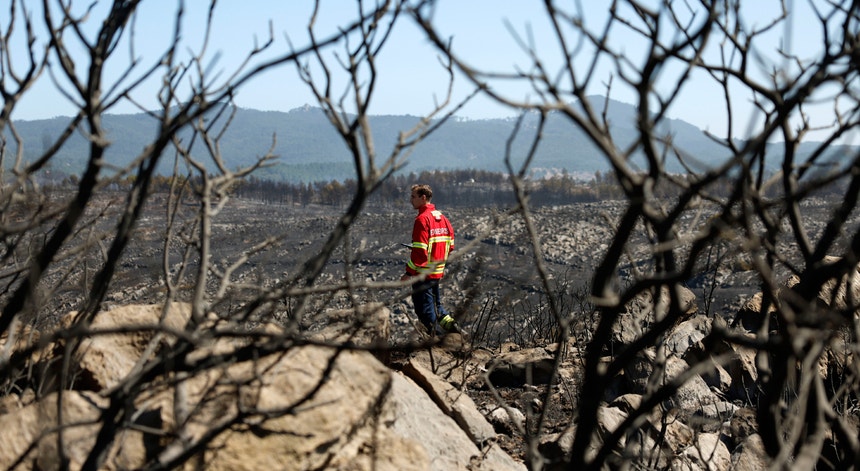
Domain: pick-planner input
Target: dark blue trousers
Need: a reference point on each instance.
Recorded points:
(428, 303)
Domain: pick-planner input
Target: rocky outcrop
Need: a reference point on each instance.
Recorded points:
(31, 434)
(649, 307)
(518, 367)
(455, 403)
(310, 406)
(107, 358)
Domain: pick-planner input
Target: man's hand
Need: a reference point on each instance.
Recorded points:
(405, 277)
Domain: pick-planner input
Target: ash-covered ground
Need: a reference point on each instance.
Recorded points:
(492, 274)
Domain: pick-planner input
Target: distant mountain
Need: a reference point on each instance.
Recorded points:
(309, 149)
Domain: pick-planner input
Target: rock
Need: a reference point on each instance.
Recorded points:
(712, 417)
(644, 310)
(455, 403)
(12, 402)
(750, 455)
(557, 446)
(736, 376)
(17, 338)
(454, 342)
(743, 372)
(415, 416)
(369, 326)
(717, 377)
(293, 410)
(360, 417)
(506, 420)
(742, 424)
(839, 358)
(667, 429)
(841, 294)
(627, 402)
(103, 360)
(304, 407)
(29, 435)
(462, 374)
(363, 416)
(833, 294)
(609, 419)
(751, 317)
(516, 368)
(692, 396)
(687, 334)
(706, 453)
(672, 432)
(637, 447)
(107, 359)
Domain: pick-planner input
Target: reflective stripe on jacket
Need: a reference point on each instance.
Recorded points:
(432, 241)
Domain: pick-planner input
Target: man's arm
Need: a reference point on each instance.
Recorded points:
(418, 256)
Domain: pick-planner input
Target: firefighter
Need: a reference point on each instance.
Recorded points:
(432, 241)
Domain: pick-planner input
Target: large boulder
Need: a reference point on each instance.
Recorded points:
(105, 359)
(708, 453)
(367, 326)
(301, 406)
(647, 308)
(740, 364)
(415, 416)
(30, 434)
(297, 410)
(840, 294)
(752, 314)
(325, 407)
(519, 367)
(693, 396)
(687, 335)
(112, 345)
(639, 446)
(750, 455)
(665, 428)
(454, 402)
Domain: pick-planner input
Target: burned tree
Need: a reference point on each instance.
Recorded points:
(752, 200)
(217, 333)
(64, 245)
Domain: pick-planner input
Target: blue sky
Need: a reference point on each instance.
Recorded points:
(410, 78)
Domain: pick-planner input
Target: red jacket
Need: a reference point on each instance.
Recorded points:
(432, 240)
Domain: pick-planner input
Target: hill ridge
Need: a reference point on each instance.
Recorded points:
(309, 148)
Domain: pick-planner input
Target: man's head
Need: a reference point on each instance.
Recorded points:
(420, 195)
